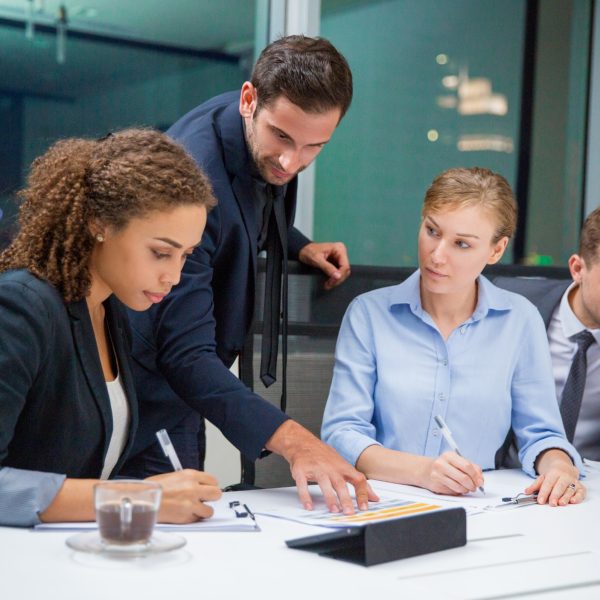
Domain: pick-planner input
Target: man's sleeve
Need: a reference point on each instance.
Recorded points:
(296, 241)
(184, 335)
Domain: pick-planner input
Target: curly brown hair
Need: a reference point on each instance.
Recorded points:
(78, 182)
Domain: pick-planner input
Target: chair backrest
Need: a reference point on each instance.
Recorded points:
(314, 319)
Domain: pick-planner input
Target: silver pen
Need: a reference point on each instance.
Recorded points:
(167, 446)
(514, 502)
(521, 499)
(448, 437)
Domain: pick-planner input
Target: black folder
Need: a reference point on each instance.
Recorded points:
(376, 543)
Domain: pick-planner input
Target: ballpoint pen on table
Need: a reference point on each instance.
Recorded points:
(241, 513)
(448, 437)
(515, 502)
(520, 499)
(250, 512)
(167, 446)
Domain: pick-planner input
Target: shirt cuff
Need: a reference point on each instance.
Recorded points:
(351, 445)
(560, 443)
(25, 494)
(265, 435)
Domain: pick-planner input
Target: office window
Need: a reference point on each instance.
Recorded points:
(109, 79)
(559, 123)
(438, 85)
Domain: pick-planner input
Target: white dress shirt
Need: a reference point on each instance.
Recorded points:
(565, 324)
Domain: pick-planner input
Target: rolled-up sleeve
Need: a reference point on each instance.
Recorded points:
(536, 417)
(347, 421)
(26, 494)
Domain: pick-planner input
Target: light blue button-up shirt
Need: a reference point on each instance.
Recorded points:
(394, 372)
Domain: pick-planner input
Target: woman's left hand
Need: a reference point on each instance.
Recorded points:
(558, 483)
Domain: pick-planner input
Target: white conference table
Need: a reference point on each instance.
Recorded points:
(532, 552)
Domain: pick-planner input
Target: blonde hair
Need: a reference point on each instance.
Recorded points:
(110, 181)
(475, 186)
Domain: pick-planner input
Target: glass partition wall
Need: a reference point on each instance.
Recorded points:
(501, 85)
(103, 83)
(438, 83)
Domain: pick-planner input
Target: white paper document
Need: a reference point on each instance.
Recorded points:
(385, 510)
(228, 516)
(474, 503)
(397, 500)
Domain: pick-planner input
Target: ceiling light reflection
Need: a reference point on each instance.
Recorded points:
(447, 101)
(450, 82)
(479, 142)
(433, 135)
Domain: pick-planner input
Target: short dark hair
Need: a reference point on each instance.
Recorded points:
(589, 244)
(309, 72)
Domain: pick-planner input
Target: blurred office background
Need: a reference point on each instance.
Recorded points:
(438, 83)
(508, 85)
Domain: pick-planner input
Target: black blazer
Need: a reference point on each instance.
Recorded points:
(54, 407)
(182, 348)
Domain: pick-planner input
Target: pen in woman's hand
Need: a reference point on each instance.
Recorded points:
(167, 446)
(448, 437)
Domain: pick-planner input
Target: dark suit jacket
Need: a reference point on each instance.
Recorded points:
(183, 347)
(55, 411)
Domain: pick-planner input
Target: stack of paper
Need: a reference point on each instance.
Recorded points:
(228, 516)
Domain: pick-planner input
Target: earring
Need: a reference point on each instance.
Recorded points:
(99, 237)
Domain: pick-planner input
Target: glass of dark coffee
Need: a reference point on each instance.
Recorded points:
(126, 511)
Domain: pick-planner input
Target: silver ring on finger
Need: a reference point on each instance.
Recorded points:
(573, 486)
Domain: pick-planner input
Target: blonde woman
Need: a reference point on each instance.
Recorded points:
(447, 342)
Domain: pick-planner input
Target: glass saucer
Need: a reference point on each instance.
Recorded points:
(90, 541)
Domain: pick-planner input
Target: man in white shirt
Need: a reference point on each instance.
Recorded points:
(568, 309)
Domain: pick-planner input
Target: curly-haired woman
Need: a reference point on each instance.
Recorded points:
(102, 223)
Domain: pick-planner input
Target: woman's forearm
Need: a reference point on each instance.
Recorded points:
(377, 462)
(449, 473)
(74, 502)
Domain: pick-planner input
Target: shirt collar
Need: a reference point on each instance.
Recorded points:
(570, 324)
(489, 298)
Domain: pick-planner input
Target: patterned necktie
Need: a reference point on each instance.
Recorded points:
(573, 390)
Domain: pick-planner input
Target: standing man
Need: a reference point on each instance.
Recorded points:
(571, 311)
(252, 144)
